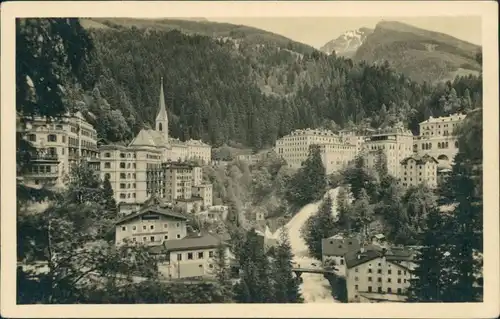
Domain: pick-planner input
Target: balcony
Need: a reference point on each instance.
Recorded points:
(45, 158)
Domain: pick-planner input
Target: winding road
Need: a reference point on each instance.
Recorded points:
(315, 288)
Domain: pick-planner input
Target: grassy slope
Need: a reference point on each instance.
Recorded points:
(421, 54)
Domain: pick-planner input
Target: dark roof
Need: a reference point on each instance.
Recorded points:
(351, 258)
(420, 160)
(206, 240)
(155, 210)
(339, 247)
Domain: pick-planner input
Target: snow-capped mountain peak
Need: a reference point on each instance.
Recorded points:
(347, 43)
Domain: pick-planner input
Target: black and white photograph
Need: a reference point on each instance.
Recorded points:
(210, 158)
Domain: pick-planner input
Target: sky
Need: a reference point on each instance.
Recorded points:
(319, 30)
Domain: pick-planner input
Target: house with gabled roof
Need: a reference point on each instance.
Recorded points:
(334, 250)
(376, 274)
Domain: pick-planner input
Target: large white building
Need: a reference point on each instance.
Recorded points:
(396, 143)
(336, 151)
(60, 144)
(437, 138)
(416, 170)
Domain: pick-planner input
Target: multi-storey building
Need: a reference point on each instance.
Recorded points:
(60, 143)
(336, 152)
(416, 170)
(136, 171)
(356, 137)
(164, 232)
(437, 138)
(378, 274)
(396, 143)
(334, 250)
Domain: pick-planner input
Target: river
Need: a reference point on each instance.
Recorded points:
(315, 288)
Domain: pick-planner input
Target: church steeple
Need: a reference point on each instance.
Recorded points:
(162, 117)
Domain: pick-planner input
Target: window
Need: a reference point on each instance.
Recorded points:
(107, 165)
(369, 278)
(32, 137)
(210, 253)
(152, 227)
(179, 256)
(190, 256)
(389, 290)
(399, 272)
(122, 185)
(152, 238)
(389, 271)
(379, 279)
(369, 288)
(52, 138)
(122, 165)
(122, 195)
(356, 269)
(356, 287)
(144, 227)
(200, 255)
(123, 176)
(369, 270)
(379, 290)
(144, 239)
(355, 278)
(399, 280)
(124, 228)
(178, 236)
(389, 279)
(399, 291)
(165, 237)
(342, 261)
(178, 225)
(134, 227)
(379, 271)
(165, 225)
(107, 155)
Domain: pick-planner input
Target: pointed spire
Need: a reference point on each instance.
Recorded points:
(162, 112)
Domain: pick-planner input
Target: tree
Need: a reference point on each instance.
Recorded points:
(363, 214)
(345, 214)
(381, 164)
(319, 226)
(286, 288)
(309, 183)
(429, 276)
(108, 194)
(222, 273)
(84, 186)
(254, 285)
(358, 178)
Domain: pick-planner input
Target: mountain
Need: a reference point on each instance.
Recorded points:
(420, 54)
(241, 86)
(348, 43)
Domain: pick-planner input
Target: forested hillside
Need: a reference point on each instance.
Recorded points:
(233, 88)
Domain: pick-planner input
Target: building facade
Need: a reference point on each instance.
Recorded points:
(336, 152)
(334, 250)
(378, 275)
(164, 232)
(437, 138)
(396, 143)
(60, 144)
(136, 172)
(417, 170)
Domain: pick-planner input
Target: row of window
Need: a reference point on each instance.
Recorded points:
(201, 255)
(379, 279)
(380, 291)
(379, 271)
(151, 227)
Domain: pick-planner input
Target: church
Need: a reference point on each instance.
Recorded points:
(134, 170)
(172, 149)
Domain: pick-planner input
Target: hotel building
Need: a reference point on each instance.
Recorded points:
(437, 138)
(396, 143)
(416, 170)
(336, 152)
(60, 143)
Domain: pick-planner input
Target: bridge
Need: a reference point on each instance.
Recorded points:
(299, 271)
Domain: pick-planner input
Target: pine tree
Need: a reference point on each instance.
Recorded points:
(363, 213)
(222, 274)
(381, 164)
(286, 288)
(428, 277)
(108, 194)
